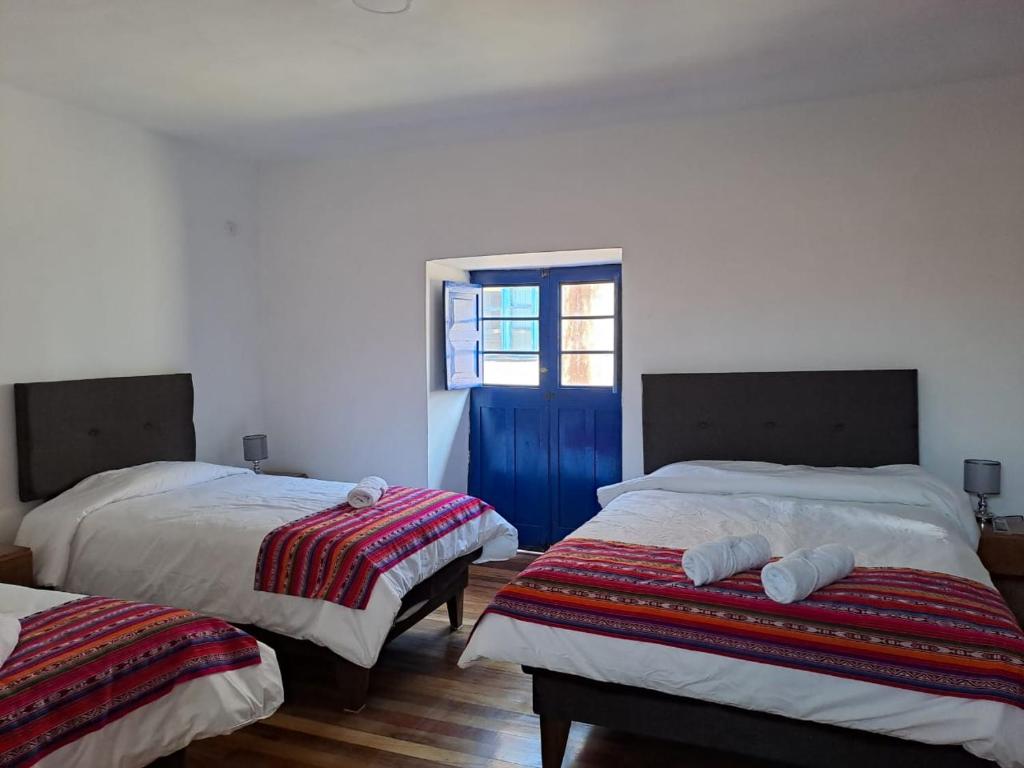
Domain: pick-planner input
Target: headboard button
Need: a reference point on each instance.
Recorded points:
(769, 425)
(702, 425)
(94, 432)
(148, 425)
(839, 427)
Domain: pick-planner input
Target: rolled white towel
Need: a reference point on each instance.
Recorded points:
(367, 492)
(804, 571)
(10, 631)
(717, 560)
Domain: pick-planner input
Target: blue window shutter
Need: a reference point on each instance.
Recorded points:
(463, 305)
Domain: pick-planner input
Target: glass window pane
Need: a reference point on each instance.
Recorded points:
(511, 335)
(512, 301)
(588, 299)
(589, 335)
(587, 370)
(512, 370)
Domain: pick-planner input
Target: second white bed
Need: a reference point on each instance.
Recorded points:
(188, 534)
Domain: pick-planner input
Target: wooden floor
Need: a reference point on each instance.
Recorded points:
(425, 711)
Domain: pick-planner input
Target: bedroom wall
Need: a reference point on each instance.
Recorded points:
(117, 260)
(881, 231)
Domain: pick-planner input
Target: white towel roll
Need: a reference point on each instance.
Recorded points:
(804, 571)
(717, 560)
(10, 631)
(367, 492)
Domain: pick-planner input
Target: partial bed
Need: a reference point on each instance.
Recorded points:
(574, 624)
(95, 681)
(196, 535)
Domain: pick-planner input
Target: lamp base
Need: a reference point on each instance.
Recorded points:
(982, 514)
(257, 468)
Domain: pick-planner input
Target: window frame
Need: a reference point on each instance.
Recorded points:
(484, 352)
(617, 335)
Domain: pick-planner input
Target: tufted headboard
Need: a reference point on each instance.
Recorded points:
(817, 418)
(69, 430)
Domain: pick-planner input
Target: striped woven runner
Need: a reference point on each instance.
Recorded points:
(899, 627)
(338, 554)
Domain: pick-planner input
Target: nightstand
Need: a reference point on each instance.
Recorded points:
(283, 473)
(1003, 555)
(15, 565)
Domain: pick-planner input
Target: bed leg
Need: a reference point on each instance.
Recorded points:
(353, 684)
(554, 735)
(455, 604)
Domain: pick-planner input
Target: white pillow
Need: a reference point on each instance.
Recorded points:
(10, 631)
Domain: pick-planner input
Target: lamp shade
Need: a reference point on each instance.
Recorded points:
(255, 447)
(982, 476)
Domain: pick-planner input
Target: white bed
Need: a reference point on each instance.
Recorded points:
(207, 706)
(891, 516)
(188, 534)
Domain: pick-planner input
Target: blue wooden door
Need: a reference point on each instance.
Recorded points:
(546, 425)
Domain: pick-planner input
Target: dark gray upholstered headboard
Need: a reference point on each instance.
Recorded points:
(817, 418)
(68, 430)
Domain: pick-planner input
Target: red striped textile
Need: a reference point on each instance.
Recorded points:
(87, 663)
(338, 554)
(899, 627)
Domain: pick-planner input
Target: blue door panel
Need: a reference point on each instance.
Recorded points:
(531, 469)
(538, 454)
(575, 469)
(607, 447)
(496, 461)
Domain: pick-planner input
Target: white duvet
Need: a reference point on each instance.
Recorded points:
(890, 516)
(188, 534)
(207, 706)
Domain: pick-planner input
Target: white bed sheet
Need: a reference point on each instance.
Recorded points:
(188, 534)
(207, 706)
(881, 534)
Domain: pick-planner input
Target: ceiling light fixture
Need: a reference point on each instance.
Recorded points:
(383, 7)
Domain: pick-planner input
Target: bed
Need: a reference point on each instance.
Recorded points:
(131, 514)
(720, 450)
(231, 682)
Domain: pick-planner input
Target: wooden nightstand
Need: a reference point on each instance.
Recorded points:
(15, 565)
(1003, 555)
(283, 473)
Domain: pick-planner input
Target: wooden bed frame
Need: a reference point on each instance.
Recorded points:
(70, 430)
(304, 661)
(818, 418)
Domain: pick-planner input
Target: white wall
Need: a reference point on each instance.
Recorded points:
(447, 412)
(885, 231)
(116, 260)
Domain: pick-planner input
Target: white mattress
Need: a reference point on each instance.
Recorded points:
(929, 535)
(188, 534)
(207, 706)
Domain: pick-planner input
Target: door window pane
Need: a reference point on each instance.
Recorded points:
(512, 370)
(588, 335)
(587, 299)
(596, 370)
(512, 301)
(511, 335)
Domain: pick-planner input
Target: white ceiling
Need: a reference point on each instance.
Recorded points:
(290, 75)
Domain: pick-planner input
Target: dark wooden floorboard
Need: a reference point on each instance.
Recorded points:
(423, 711)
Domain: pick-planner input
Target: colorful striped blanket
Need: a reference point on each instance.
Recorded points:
(899, 627)
(339, 554)
(84, 664)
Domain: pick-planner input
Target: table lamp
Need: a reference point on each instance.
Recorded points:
(982, 477)
(255, 449)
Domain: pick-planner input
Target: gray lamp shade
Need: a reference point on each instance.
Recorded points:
(982, 476)
(255, 447)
